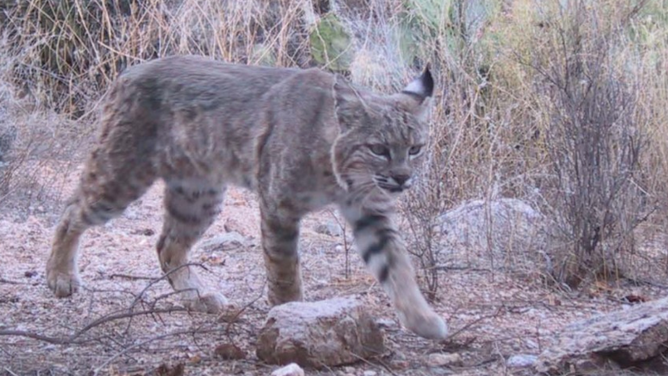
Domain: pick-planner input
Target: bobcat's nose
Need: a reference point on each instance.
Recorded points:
(401, 180)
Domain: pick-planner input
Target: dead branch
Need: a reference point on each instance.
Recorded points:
(496, 313)
(641, 281)
(138, 298)
(164, 276)
(102, 320)
(152, 339)
(9, 282)
(131, 277)
(234, 318)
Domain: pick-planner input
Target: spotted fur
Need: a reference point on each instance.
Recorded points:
(301, 139)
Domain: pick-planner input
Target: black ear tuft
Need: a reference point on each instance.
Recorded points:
(422, 86)
(428, 81)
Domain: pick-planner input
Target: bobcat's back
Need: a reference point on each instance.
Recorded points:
(196, 117)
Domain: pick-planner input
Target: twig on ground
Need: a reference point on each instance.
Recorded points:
(9, 282)
(472, 323)
(491, 359)
(639, 281)
(152, 339)
(162, 277)
(131, 277)
(73, 338)
(151, 306)
(138, 298)
(456, 267)
(234, 318)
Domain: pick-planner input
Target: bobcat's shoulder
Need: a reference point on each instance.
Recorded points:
(204, 116)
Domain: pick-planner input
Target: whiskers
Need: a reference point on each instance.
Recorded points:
(365, 190)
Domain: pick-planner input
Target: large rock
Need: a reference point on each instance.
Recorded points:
(635, 337)
(325, 333)
(491, 232)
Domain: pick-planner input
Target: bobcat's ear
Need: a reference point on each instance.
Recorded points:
(413, 96)
(348, 105)
(421, 87)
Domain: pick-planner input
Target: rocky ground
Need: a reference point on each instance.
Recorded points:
(127, 322)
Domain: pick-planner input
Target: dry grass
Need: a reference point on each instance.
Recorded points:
(496, 124)
(67, 52)
(495, 64)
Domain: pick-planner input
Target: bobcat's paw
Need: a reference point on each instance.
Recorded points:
(208, 303)
(426, 325)
(62, 284)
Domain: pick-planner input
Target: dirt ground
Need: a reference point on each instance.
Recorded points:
(492, 314)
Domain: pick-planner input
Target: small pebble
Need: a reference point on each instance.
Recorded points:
(521, 361)
(442, 360)
(291, 369)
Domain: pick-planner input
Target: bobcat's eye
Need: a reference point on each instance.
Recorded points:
(415, 150)
(379, 150)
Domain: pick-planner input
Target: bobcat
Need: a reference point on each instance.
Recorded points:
(301, 139)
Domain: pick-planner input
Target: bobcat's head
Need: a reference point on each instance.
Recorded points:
(383, 138)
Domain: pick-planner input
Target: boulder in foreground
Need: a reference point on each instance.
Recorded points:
(317, 334)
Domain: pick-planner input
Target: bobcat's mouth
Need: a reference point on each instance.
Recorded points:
(392, 188)
(385, 184)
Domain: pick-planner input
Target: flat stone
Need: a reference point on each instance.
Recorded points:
(444, 360)
(316, 334)
(632, 337)
(331, 228)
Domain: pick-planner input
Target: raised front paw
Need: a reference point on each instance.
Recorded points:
(207, 303)
(426, 325)
(62, 284)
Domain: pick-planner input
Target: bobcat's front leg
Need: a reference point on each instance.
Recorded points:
(384, 252)
(280, 234)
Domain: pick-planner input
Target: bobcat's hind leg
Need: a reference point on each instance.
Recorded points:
(189, 210)
(62, 274)
(118, 171)
(97, 200)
